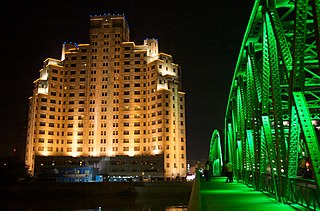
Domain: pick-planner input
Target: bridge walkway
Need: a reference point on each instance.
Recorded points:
(219, 195)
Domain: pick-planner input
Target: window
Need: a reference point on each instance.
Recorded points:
(137, 108)
(136, 148)
(136, 132)
(136, 140)
(136, 116)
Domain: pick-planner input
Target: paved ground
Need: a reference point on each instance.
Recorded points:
(219, 195)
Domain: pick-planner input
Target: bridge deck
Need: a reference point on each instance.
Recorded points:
(219, 195)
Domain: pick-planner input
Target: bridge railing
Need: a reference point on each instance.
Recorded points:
(302, 191)
(244, 177)
(267, 184)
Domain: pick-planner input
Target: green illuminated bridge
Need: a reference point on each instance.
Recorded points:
(272, 120)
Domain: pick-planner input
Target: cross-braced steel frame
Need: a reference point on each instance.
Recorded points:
(215, 154)
(272, 122)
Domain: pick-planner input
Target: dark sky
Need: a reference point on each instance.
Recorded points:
(204, 38)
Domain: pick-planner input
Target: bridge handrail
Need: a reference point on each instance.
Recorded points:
(303, 191)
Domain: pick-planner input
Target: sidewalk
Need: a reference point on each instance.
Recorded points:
(219, 195)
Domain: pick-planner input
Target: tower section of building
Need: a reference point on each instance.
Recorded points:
(109, 98)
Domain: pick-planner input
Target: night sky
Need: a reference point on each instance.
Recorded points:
(204, 38)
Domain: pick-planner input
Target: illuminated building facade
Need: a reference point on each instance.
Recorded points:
(109, 98)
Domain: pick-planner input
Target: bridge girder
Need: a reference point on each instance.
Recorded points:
(215, 154)
(273, 110)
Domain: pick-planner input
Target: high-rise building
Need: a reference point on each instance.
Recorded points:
(110, 98)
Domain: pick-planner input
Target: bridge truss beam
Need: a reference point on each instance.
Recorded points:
(272, 121)
(215, 153)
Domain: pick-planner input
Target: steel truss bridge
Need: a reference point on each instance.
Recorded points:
(272, 120)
